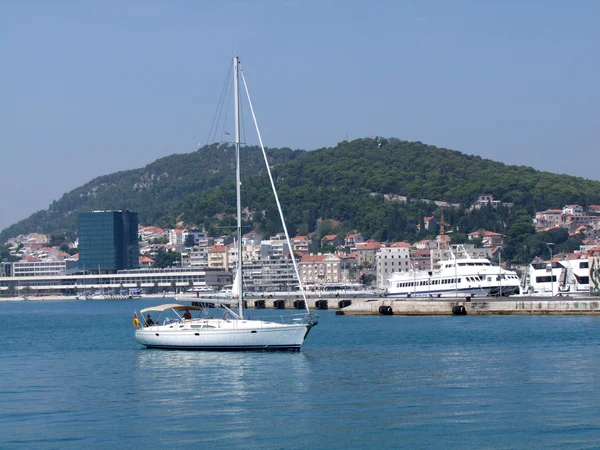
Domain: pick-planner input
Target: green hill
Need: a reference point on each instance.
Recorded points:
(155, 191)
(345, 183)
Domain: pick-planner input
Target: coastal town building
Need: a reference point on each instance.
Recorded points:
(302, 244)
(390, 259)
(421, 259)
(274, 248)
(429, 223)
(218, 257)
(194, 237)
(319, 269)
(352, 240)
(108, 240)
(348, 268)
(331, 240)
(145, 262)
(489, 239)
(571, 217)
(31, 267)
(150, 233)
(573, 210)
(488, 200)
(176, 237)
(366, 253)
(149, 280)
(574, 223)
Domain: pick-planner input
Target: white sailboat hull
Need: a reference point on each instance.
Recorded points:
(218, 334)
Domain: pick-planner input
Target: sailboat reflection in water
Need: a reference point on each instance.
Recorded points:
(232, 330)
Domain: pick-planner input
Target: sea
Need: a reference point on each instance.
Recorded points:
(72, 376)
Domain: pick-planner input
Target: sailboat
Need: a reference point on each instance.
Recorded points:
(176, 328)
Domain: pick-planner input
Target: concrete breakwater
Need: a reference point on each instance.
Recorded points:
(518, 305)
(480, 306)
(448, 306)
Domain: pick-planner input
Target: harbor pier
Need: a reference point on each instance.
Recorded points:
(517, 305)
(479, 306)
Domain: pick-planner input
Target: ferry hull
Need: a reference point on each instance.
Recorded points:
(463, 292)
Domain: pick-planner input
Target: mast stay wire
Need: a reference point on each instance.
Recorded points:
(282, 217)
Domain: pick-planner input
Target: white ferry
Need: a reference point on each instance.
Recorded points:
(455, 277)
(567, 275)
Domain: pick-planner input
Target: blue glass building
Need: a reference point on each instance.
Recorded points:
(108, 241)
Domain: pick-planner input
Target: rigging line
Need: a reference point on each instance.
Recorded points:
(217, 115)
(287, 236)
(211, 136)
(224, 107)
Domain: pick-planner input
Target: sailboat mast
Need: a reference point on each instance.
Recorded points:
(238, 182)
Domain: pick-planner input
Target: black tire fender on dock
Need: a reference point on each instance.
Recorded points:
(386, 310)
(459, 310)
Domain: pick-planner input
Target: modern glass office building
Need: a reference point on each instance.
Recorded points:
(108, 241)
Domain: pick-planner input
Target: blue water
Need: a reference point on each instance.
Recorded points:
(72, 376)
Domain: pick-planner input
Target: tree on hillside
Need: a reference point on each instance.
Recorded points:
(166, 259)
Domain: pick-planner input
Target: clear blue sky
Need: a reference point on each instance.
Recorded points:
(93, 87)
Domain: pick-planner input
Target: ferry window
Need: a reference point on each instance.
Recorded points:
(545, 279)
(584, 280)
(583, 265)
